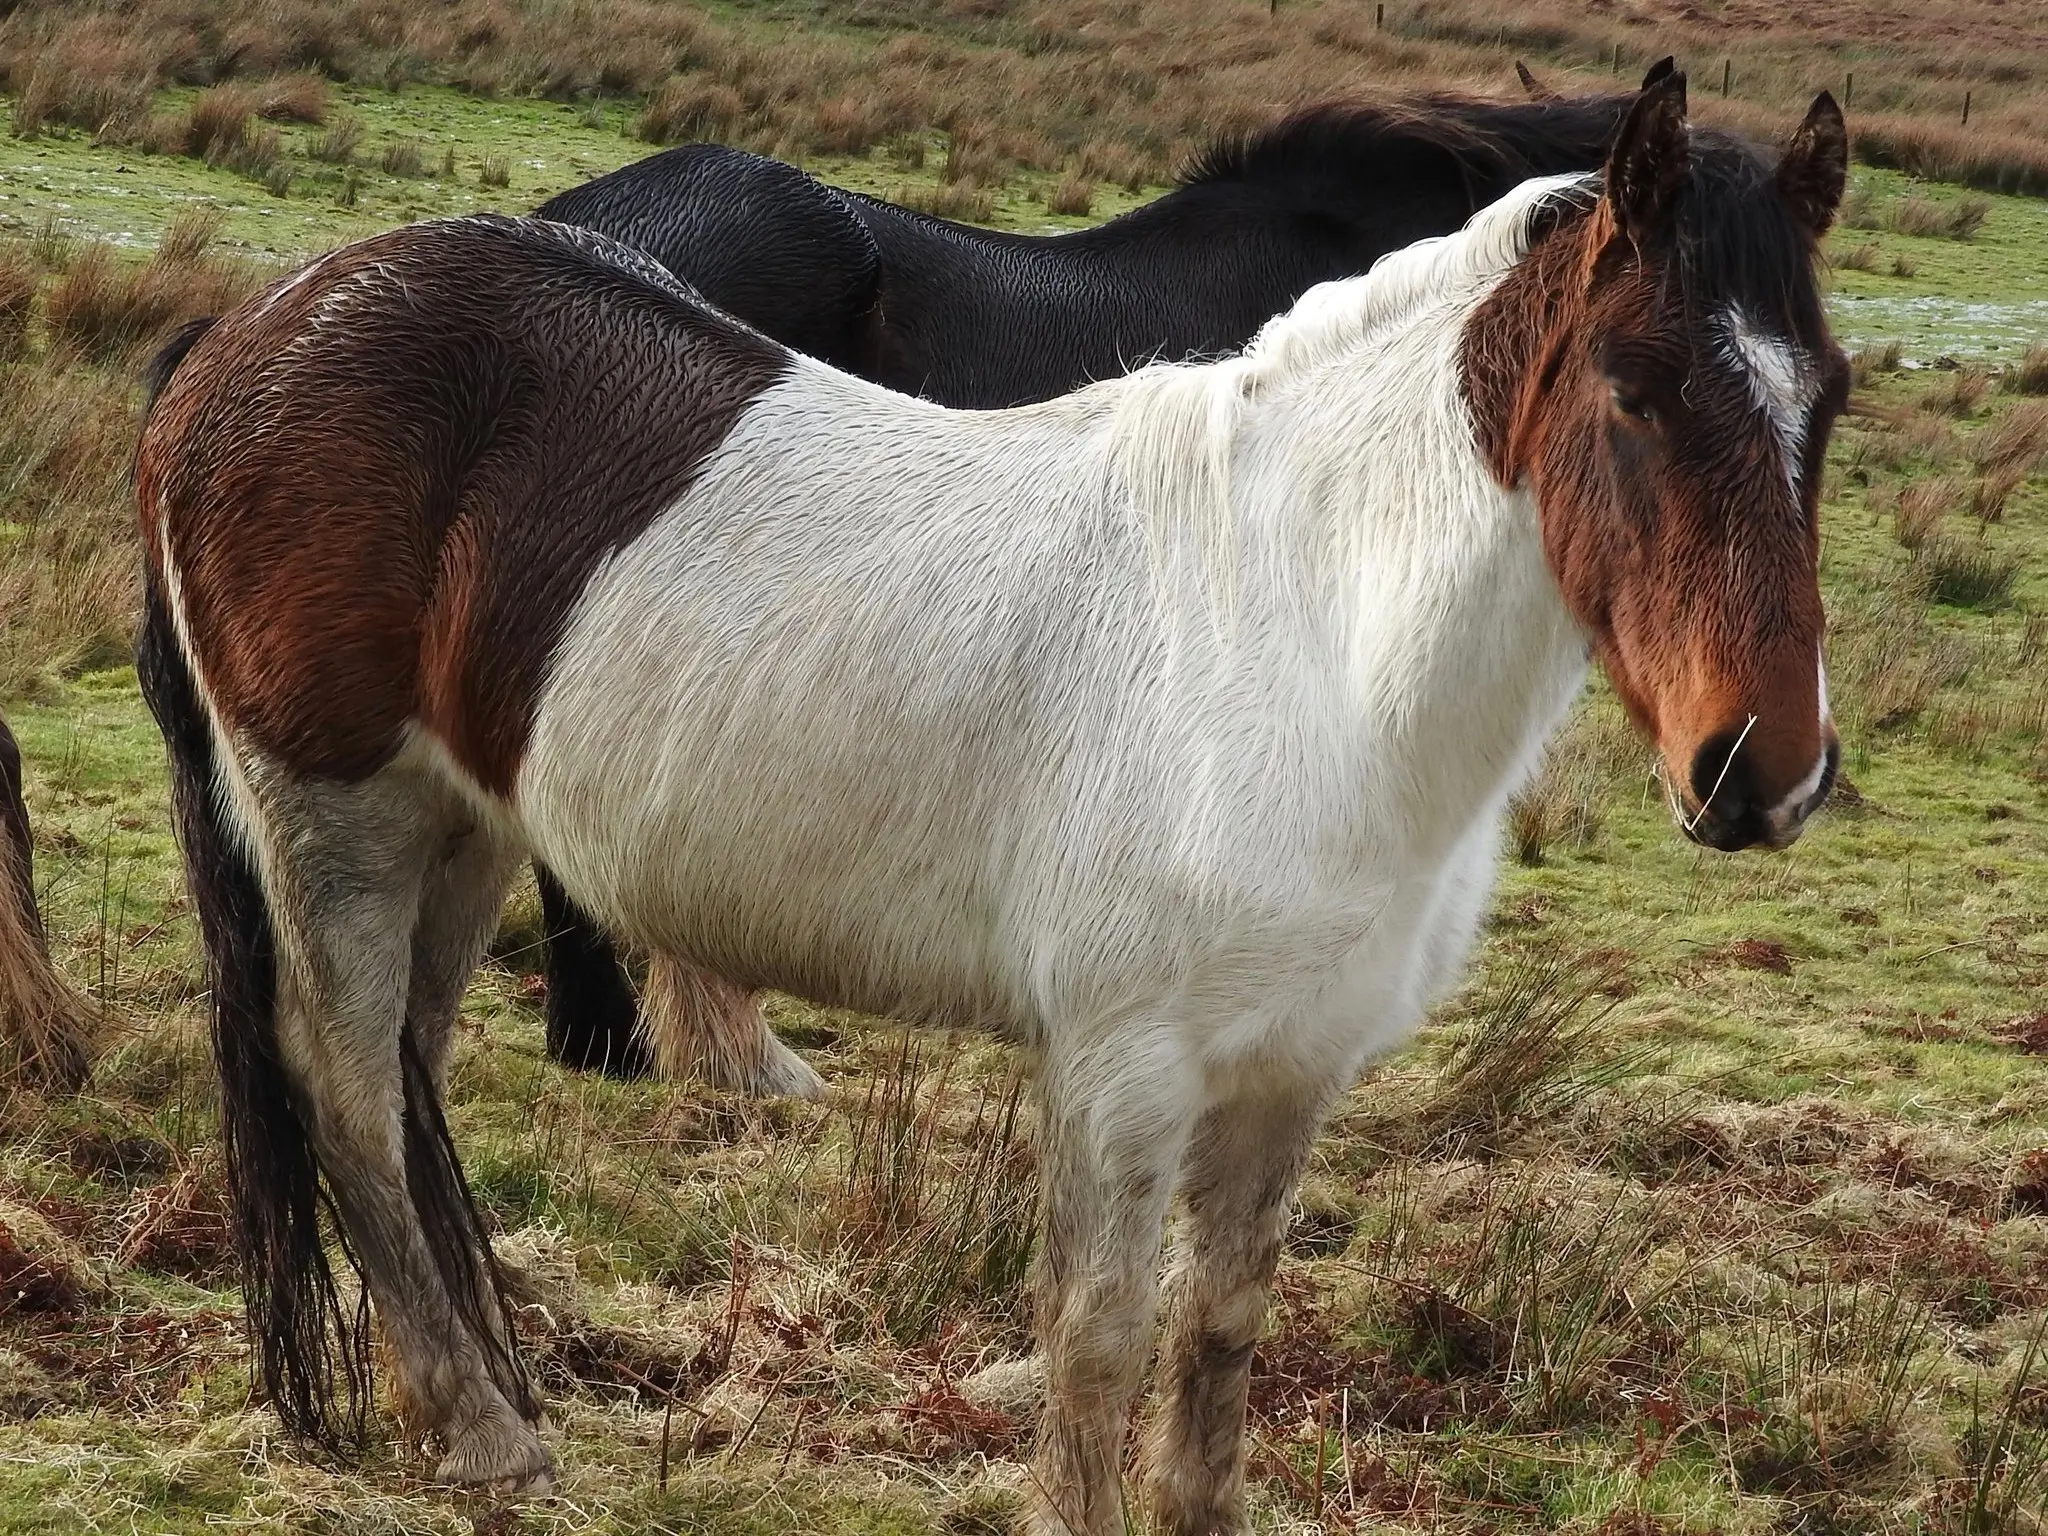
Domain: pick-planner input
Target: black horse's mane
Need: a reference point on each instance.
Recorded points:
(1487, 141)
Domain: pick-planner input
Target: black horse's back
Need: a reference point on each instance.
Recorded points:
(758, 238)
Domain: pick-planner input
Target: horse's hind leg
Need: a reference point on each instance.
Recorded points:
(346, 867)
(701, 1025)
(460, 897)
(460, 901)
(1243, 1165)
(1116, 1120)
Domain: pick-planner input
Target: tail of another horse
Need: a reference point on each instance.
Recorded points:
(308, 1343)
(313, 1352)
(45, 1036)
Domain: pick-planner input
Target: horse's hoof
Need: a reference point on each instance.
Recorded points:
(534, 1485)
(786, 1075)
(497, 1451)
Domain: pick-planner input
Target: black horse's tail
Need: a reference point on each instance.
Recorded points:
(313, 1348)
(156, 373)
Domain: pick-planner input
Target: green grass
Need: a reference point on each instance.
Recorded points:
(121, 194)
(1755, 1256)
(1985, 297)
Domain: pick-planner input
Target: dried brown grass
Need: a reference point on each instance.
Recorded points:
(2017, 440)
(21, 277)
(219, 121)
(300, 98)
(1146, 79)
(1923, 507)
(67, 426)
(109, 309)
(1075, 196)
(1958, 393)
(2029, 376)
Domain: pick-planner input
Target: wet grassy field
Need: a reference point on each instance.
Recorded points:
(1715, 1203)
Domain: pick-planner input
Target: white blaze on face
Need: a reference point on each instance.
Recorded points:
(1780, 382)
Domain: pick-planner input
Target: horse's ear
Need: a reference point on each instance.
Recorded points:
(1536, 88)
(1650, 159)
(1816, 165)
(1660, 71)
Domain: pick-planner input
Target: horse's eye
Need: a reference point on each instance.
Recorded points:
(1632, 405)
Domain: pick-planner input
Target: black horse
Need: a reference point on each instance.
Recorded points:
(971, 317)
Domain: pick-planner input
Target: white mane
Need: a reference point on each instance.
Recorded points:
(1175, 425)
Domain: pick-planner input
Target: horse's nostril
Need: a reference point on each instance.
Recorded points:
(1720, 776)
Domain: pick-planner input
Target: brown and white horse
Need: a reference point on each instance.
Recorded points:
(1166, 727)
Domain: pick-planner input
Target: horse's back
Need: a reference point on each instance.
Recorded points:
(382, 484)
(758, 238)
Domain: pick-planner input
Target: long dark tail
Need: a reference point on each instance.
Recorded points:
(156, 373)
(313, 1348)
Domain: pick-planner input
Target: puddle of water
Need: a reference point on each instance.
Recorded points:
(1932, 327)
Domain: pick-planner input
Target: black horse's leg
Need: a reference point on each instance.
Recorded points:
(591, 1019)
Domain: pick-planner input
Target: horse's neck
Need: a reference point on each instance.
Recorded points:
(1444, 619)
(1067, 308)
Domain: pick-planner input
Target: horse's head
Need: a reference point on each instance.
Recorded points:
(1672, 418)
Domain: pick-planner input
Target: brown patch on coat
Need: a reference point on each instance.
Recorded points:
(1599, 375)
(386, 482)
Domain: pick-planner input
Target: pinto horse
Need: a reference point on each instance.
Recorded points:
(1166, 727)
(971, 317)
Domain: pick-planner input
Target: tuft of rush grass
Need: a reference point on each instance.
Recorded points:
(403, 157)
(962, 200)
(338, 145)
(21, 278)
(1958, 392)
(1964, 572)
(1922, 508)
(2008, 1467)
(1914, 214)
(2029, 376)
(1074, 196)
(1866, 363)
(300, 98)
(1536, 1046)
(110, 310)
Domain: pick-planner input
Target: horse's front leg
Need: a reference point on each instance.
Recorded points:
(1243, 1166)
(1116, 1122)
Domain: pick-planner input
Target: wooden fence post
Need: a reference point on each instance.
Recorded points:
(1727, 70)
